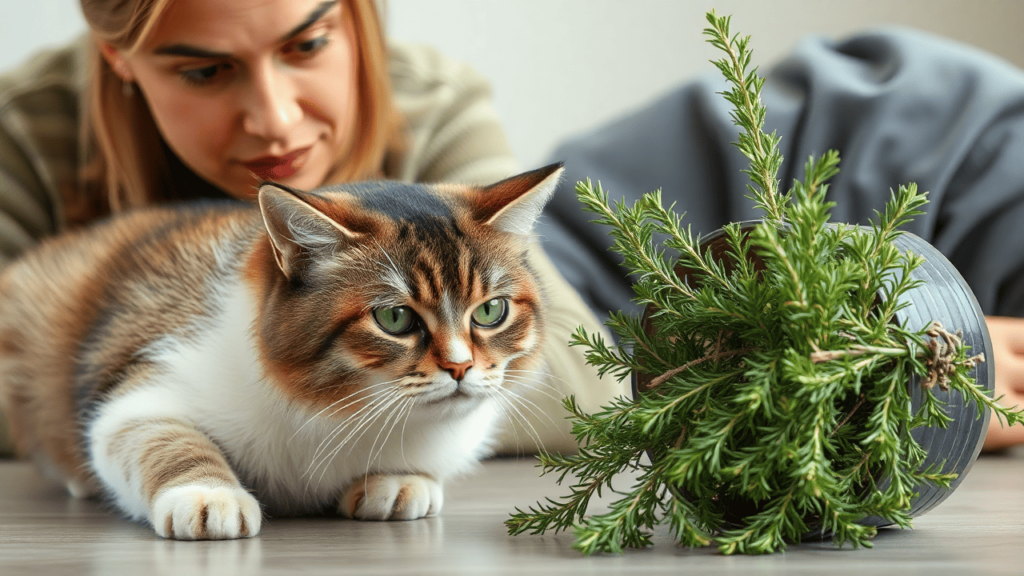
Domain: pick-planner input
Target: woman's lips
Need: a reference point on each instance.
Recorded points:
(278, 167)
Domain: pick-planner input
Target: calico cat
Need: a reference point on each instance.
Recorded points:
(341, 348)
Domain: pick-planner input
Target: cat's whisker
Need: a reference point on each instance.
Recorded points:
(529, 385)
(323, 459)
(369, 419)
(527, 425)
(337, 411)
(558, 398)
(412, 403)
(514, 414)
(542, 373)
(364, 427)
(316, 461)
(359, 374)
(334, 433)
(542, 377)
(539, 411)
(522, 385)
(369, 409)
(394, 267)
(322, 390)
(398, 413)
(361, 429)
(507, 417)
(392, 276)
(534, 376)
(387, 418)
(365, 413)
(397, 416)
(336, 402)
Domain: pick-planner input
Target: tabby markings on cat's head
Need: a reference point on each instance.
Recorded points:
(405, 291)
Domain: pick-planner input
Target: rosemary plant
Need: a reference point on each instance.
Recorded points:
(779, 400)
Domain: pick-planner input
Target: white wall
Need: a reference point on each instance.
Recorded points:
(560, 66)
(29, 25)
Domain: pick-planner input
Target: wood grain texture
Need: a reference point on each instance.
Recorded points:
(978, 530)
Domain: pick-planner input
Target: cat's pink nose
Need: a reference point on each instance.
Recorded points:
(457, 369)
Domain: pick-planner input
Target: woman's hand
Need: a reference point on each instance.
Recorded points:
(1008, 351)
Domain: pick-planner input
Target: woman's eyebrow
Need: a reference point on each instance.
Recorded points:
(317, 13)
(189, 51)
(197, 52)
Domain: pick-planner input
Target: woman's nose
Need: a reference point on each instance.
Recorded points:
(271, 108)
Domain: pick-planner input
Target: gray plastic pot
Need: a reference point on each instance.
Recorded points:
(944, 296)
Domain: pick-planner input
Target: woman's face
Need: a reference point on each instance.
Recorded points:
(250, 90)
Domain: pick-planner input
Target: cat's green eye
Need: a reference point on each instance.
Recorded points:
(490, 313)
(396, 320)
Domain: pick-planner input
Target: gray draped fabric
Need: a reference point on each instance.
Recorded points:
(899, 105)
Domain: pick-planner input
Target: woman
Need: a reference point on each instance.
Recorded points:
(181, 99)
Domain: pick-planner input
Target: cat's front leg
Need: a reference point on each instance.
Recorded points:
(167, 472)
(392, 497)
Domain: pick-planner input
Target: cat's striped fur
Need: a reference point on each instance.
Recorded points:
(197, 363)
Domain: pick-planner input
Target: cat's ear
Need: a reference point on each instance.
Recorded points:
(514, 204)
(297, 229)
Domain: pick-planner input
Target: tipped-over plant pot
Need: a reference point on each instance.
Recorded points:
(942, 296)
(793, 378)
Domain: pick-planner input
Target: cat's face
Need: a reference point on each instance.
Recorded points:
(403, 294)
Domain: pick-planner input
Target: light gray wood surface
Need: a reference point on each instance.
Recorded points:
(978, 530)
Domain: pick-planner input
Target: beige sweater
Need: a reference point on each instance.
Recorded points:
(453, 135)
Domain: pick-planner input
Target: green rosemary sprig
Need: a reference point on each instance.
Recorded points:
(777, 402)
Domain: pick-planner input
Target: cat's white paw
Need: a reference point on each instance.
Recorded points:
(386, 497)
(205, 513)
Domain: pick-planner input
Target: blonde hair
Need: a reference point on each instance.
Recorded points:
(129, 165)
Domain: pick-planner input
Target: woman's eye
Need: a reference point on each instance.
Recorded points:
(204, 75)
(306, 48)
(490, 313)
(396, 320)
